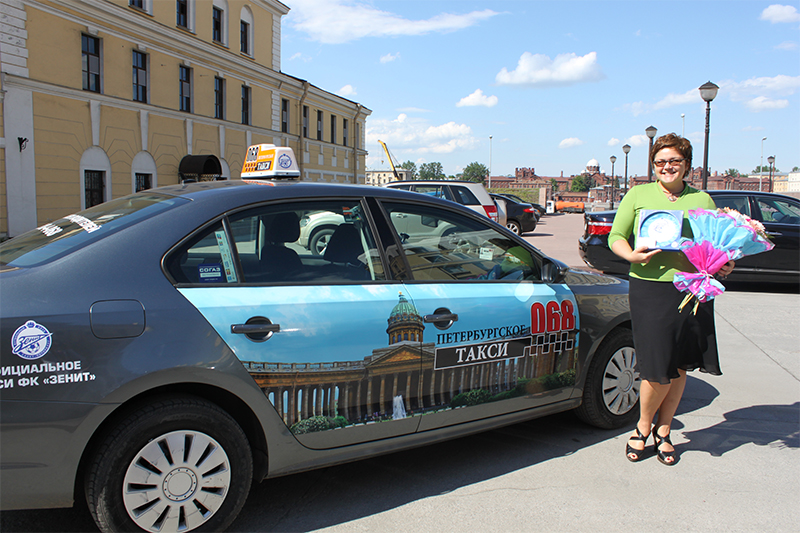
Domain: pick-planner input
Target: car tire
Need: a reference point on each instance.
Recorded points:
(611, 391)
(176, 464)
(514, 226)
(319, 240)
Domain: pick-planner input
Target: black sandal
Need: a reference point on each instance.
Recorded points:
(629, 450)
(663, 456)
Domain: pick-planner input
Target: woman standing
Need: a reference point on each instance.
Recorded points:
(668, 342)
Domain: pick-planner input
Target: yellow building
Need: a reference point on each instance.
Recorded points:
(101, 98)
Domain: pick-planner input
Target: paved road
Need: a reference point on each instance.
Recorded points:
(738, 436)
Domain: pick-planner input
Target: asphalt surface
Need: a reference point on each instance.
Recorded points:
(738, 436)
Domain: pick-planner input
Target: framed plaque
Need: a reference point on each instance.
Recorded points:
(659, 229)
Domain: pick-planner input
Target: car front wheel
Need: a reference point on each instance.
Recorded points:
(177, 464)
(611, 391)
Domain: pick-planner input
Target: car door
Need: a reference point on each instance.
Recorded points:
(781, 219)
(314, 331)
(494, 338)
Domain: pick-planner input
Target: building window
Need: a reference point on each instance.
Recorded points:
(245, 104)
(244, 37)
(139, 77)
(319, 125)
(333, 129)
(90, 47)
(216, 24)
(136, 3)
(305, 121)
(285, 115)
(219, 98)
(344, 131)
(143, 181)
(186, 89)
(182, 13)
(94, 187)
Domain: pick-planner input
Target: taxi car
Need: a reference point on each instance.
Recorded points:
(163, 350)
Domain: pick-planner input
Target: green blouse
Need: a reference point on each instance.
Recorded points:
(663, 265)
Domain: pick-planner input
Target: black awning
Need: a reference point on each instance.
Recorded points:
(200, 168)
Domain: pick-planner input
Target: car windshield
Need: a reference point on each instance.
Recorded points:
(58, 238)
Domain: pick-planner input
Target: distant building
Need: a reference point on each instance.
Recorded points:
(382, 177)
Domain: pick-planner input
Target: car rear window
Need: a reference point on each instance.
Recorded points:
(56, 239)
(464, 196)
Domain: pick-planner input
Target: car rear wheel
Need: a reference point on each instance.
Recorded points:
(611, 392)
(319, 241)
(514, 226)
(177, 464)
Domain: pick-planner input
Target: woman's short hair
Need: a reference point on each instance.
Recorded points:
(677, 143)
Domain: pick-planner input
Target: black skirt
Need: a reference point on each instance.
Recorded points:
(667, 339)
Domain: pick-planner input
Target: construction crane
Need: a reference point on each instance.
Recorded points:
(391, 160)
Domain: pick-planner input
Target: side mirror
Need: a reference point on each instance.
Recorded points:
(554, 271)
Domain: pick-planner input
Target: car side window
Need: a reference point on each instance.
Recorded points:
(437, 191)
(444, 246)
(464, 196)
(206, 258)
(309, 242)
(737, 203)
(777, 210)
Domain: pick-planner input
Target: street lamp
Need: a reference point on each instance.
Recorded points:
(683, 125)
(708, 91)
(626, 148)
(490, 161)
(761, 166)
(613, 159)
(651, 133)
(771, 161)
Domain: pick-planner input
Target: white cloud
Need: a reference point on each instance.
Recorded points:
(538, 70)
(777, 13)
(613, 141)
(301, 57)
(762, 103)
(388, 58)
(477, 99)
(570, 142)
(639, 140)
(341, 21)
(347, 90)
(691, 96)
(780, 85)
(786, 45)
(415, 136)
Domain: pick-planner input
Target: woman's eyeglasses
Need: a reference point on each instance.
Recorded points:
(671, 162)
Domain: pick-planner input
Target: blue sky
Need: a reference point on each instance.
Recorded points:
(556, 83)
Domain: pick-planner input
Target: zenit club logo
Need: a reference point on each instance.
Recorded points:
(285, 161)
(31, 341)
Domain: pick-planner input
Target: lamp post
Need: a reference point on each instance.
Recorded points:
(490, 161)
(613, 159)
(708, 91)
(651, 133)
(626, 148)
(683, 125)
(761, 166)
(771, 161)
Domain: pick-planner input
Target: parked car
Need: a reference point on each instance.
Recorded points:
(779, 214)
(165, 349)
(469, 193)
(520, 216)
(540, 210)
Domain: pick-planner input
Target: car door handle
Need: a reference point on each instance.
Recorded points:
(430, 319)
(249, 329)
(774, 233)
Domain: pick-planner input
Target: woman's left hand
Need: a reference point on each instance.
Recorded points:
(726, 269)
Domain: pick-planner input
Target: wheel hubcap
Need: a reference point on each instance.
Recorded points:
(176, 482)
(621, 381)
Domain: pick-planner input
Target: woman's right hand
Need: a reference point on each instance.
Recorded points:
(642, 255)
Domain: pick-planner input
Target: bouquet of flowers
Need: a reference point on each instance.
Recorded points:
(719, 236)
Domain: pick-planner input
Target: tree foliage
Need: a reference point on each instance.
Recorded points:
(431, 171)
(411, 167)
(765, 169)
(581, 183)
(733, 173)
(554, 184)
(475, 172)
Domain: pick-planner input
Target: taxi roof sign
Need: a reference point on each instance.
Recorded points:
(267, 161)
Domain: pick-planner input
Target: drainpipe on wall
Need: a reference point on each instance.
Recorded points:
(359, 107)
(300, 156)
